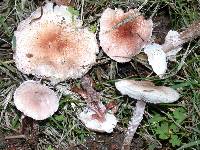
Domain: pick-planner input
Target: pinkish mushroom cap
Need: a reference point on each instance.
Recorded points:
(123, 35)
(54, 46)
(35, 100)
(92, 123)
(147, 91)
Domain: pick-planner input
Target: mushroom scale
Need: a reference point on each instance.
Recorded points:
(123, 35)
(55, 46)
(35, 100)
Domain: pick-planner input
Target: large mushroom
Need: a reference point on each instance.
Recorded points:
(52, 44)
(143, 91)
(123, 35)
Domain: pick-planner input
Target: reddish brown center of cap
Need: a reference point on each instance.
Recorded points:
(127, 32)
(53, 43)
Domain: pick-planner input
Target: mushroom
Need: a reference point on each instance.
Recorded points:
(143, 91)
(92, 121)
(52, 44)
(35, 100)
(95, 116)
(123, 35)
(159, 54)
(157, 58)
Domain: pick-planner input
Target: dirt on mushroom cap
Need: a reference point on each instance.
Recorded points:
(54, 46)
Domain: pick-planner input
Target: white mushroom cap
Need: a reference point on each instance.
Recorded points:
(157, 58)
(123, 35)
(172, 39)
(54, 46)
(147, 91)
(93, 124)
(35, 100)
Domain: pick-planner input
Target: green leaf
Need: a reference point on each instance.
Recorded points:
(14, 43)
(5, 26)
(152, 147)
(15, 121)
(163, 130)
(175, 140)
(93, 28)
(179, 114)
(50, 148)
(156, 118)
(59, 118)
(73, 11)
(174, 128)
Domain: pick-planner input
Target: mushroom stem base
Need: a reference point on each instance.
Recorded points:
(133, 124)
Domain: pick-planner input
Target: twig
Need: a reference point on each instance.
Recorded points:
(82, 7)
(22, 136)
(35, 19)
(124, 21)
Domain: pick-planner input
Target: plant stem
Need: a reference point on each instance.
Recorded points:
(22, 136)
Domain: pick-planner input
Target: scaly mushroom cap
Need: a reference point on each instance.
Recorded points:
(147, 91)
(54, 46)
(123, 35)
(35, 100)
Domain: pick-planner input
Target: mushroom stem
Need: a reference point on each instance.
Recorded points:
(133, 124)
(190, 33)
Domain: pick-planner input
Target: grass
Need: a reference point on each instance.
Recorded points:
(64, 129)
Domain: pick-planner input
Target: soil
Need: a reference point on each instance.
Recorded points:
(111, 141)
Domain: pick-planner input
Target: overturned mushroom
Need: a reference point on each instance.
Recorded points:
(123, 35)
(95, 116)
(52, 44)
(143, 91)
(159, 54)
(35, 100)
(156, 58)
(92, 121)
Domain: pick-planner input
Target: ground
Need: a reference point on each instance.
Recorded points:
(165, 126)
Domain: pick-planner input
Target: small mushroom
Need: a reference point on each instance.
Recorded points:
(159, 54)
(123, 35)
(52, 44)
(35, 100)
(95, 116)
(143, 91)
(92, 121)
(157, 58)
